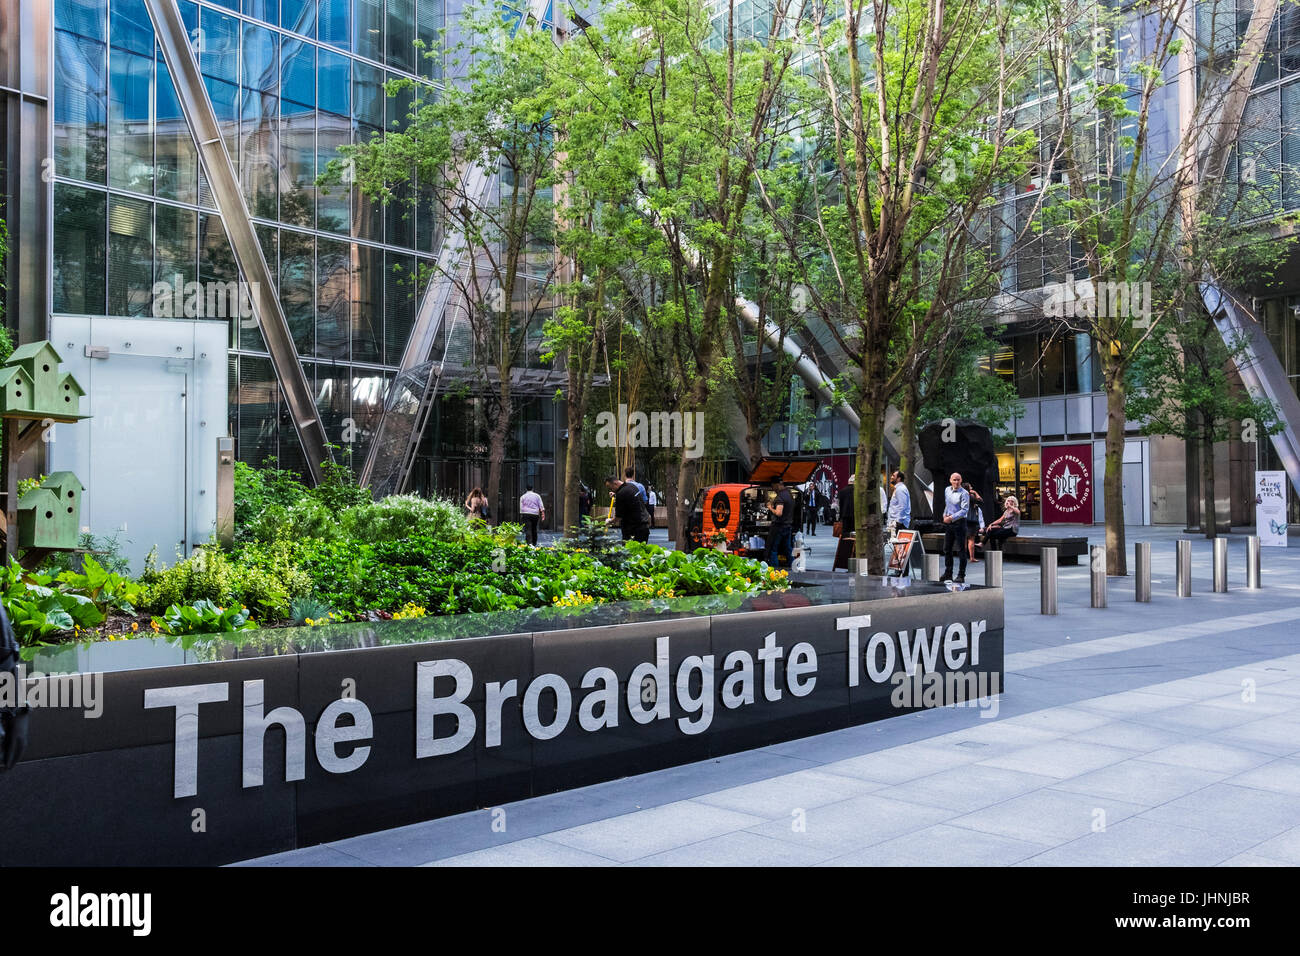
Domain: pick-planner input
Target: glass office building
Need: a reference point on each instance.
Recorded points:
(96, 126)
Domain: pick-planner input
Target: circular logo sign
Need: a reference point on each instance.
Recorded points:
(720, 509)
(1067, 485)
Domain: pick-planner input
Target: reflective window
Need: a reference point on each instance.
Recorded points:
(299, 16)
(175, 254)
(430, 22)
(298, 287)
(367, 303)
(176, 162)
(336, 23)
(401, 34)
(368, 29)
(333, 298)
(85, 17)
(400, 305)
(259, 172)
(78, 269)
(261, 69)
(130, 121)
(130, 256)
(80, 107)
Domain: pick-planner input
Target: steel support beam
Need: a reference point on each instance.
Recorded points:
(216, 163)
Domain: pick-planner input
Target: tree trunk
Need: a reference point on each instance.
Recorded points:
(907, 440)
(1209, 513)
(497, 455)
(572, 465)
(1192, 468)
(676, 530)
(866, 495)
(1116, 548)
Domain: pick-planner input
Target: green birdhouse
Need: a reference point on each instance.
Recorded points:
(49, 516)
(17, 391)
(31, 382)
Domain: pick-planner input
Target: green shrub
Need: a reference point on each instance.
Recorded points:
(405, 516)
(304, 519)
(264, 579)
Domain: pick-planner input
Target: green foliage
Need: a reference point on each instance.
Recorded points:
(38, 606)
(401, 516)
(106, 551)
(261, 577)
(305, 610)
(203, 617)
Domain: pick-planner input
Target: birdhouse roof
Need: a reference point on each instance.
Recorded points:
(67, 379)
(41, 497)
(32, 351)
(61, 480)
(8, 372)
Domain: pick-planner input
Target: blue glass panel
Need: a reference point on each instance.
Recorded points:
(367, 95)
(299, 79)
(265, 10)
(335, 84)
(80, 107)
(130, 154)
(368, 29)
(86, 17)
(336, 23)
(176, 160)
(132, 29)
(218, 43)
(261, 68)
(299, 16)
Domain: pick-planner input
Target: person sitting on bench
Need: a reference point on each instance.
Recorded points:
(1007, 526)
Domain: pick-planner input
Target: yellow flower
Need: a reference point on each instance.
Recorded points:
(135, 626)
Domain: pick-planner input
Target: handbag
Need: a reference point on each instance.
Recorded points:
(838, 529)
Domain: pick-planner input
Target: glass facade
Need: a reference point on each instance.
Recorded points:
(290, 82)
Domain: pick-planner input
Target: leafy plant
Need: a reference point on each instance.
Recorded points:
(306, 610)
(203, 617)
(401, 516)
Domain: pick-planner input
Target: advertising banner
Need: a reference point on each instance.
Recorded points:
(1270, 508)
(1067, 484)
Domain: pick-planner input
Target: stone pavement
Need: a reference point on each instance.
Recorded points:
(1148, 734)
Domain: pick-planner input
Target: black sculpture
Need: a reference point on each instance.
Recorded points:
(966, 447)
(13, 720)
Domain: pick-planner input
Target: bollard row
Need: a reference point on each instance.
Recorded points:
(1142, 571)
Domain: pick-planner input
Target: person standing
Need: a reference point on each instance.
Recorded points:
(956, 505)
(974, 519)
(900, 501)
(477, 505)
(810, 506)
(629, 509)
(585, 500)
(532, 511)
(629, 473)
(779, 538)
(652, 500)
(847, 526)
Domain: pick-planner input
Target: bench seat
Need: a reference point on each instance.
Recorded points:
(1068, 550)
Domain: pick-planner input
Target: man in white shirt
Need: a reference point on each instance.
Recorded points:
(956, 506)
(532, 511)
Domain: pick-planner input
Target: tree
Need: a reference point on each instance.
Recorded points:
(496, 121)
(917, 141)
(1120, 206)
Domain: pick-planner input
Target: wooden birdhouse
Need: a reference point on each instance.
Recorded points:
(49, 516)
(17, 391)
(70, 392)
(41, 363)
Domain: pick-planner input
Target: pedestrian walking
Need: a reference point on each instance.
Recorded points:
(810, 507)
(532, 511)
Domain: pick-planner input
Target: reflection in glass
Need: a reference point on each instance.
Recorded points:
(176, 162)
(400, 305)
(177, 245)
(258, 410)
(367, 302)
(333, 298)
(78, 269)
(130, 256)
(130, 121)
(259, 170)
(80, 110)
(298, 287)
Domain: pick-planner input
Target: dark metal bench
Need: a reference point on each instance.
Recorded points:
(1068, 550)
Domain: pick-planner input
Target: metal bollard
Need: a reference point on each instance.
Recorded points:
(1252, 563)
(1220, 565)
(1142, 572)
(1184, 568)
(1098, 575)
(1047, 582)
(993, 569)
(932, 567)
